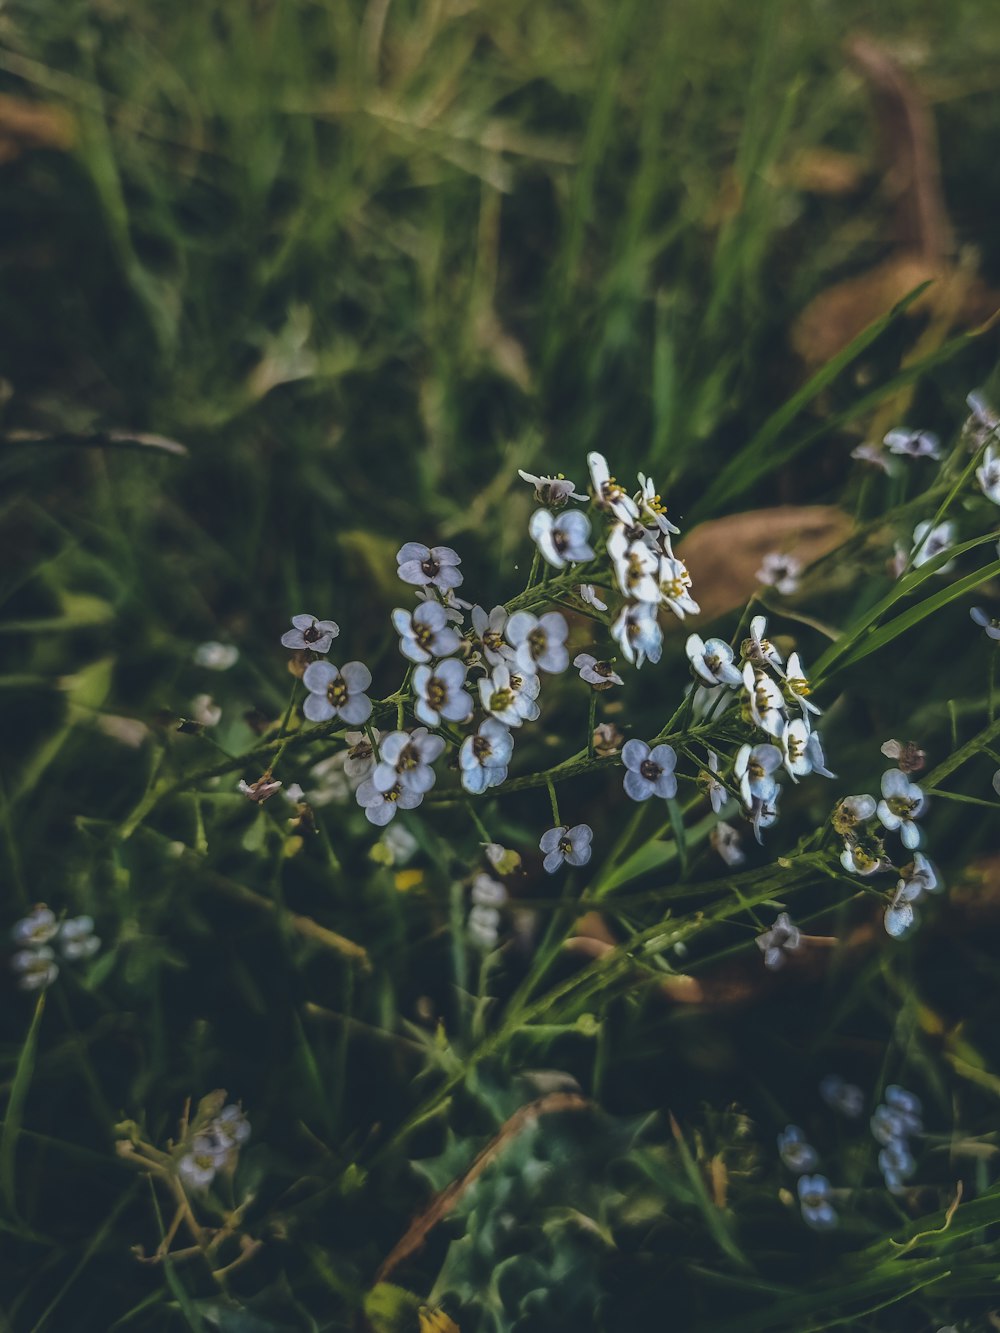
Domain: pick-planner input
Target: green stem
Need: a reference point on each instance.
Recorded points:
(556, 821)
(590, 724)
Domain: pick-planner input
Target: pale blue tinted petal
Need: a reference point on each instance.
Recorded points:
(358, 709)
(318, 675)
(317, 707)
(634, 752)
(356, 676)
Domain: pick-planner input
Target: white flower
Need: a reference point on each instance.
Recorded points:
(489, 632)
(988, 475)
(674, 582)
(635, 565)
(425, 633)
(440, 693)
(259, 791)
(861, 858)
(797, 687)
(650, 770)
(484, 926)
(588, 595)
(726, 842)
(775, 944)
(205, 711)
(198, 1166)
(406, 758)
(337, 692)
(230, 1128)
(35, 968)
(424, 565)
(794, 739)
(331, 781)
(758, 650)
(767, 706)
(717, 793)
(899, 918)
(399, 843)
(872, 453)
(638, 633)
(540, 641)
(484, 757)
(599, 674)
(902, 802)
(916, 879)
(780, 572)
(652, 507)
(308, 632)
(563, 540)
(752, 770)
(571, 845)
(487, 891)
(795, 1151)
(551, 491)
(216, 656)
(764, 812)
(913, 443)
(381, 806)
(607, 493)
(991, 624)
(77, 938)
(509, 702)
(853, 810)
(816, 757)
(929, 541)
(453, 606)
(35, 929)
(713, 660)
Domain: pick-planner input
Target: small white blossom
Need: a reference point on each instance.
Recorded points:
(907, 754)
(453, 606)
(783, 938)
(717, 793)
(484, 926)
(504, 860)
(35, 969)
(795, 1151)
(539, 641)
(650, 770)
(674, 581)
(399, 843)
(929, 541)
(510, 697)
(794, 737)
(230, 1128)
(562, 540)
(77, 939)
(337, 692)
(308, 632)
(590, 597)
(636, 566)
(601, 675)
(425, 633)
(872, 453)
(651, 507)
(259, 791)
(425, 565)
(712, 660)
(860, 858)
(913, 443)
(758, 650)
(483, 758)
(198, 1166)
(406, 757)
(902, 802)
(489, 630)
(571, 845)
(753, 769)
(996, 782)
(991, 624)
(607, 492)
(216, 656)
(329, 782)
(440, 693)
(205, 711)
(916, 879)
(814, 1199)
(899, 919)
(797, 687)
(767, 705)
(551, 491)
(487, 891)
(780, 572)
(988, 475)
(638, 633)
(764, 812)
(853, 810)
(847, 1098)
(726, 842)
(35, 929)
(381, 806)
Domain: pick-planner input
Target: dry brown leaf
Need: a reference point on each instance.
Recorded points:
(25, 125)
(724, 554)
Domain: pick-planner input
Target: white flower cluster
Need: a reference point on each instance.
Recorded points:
(35, 963)
(214, 1148)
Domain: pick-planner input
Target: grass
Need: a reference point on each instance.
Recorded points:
(362, 262)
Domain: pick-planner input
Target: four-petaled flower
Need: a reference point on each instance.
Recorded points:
(652, 507)
(674, 581)
(635, 565)
(780, 572)
(851, 811)
(35, 929)
(758, 650)
(308, 632)
(590, 597)
(607, 492)
(539, 641)
(929, 541)
(563, 540)
(638, 633)
(725, 841)
(650, 770)
(991, 624)
(422, 565)
(814, 1199)
(798, 688)
(510, 696)
(489, 631)
(712, 660)
(601, 675)
(424, 633)
(484, 757)
(77, 939)
(767, 703)
(337, 692)
(571, 845)
(35, 968)
(380, 806)
(847, 1098)
(406, 758)
(440, 693)
(913, 443)
(752, 770)
(902, 802)
(715, 790)
(795, 1151)
(988, 475)
(783, 938)
(551, 491)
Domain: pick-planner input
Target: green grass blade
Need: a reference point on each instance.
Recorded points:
(15, 1109)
